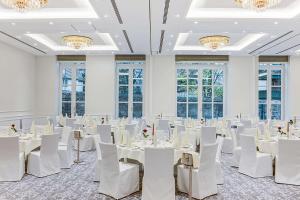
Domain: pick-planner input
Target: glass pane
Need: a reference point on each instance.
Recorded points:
(276, 77)
(181, 93)
(218, 94)
(193, 93)
(80, 77)
(137, 93)
(206, 81)
(80, 93)
(207, 111)
(207, 94)
(276, 94)
(218, 110)
(181, 82)
(80, 110)
(137, 110)
(193, 73)
(262, 111)
(66, 93)
(207, 73)
(137, 73)
(123, 79)
(67, 76)
(123, 93)
(218, 77)
(193, 111)
(262, 86)
(193, 82)
(124, 71)
(276, 111)
(181, 110)
(66, 108)
(137, 81)
(181, 73)
(123, 110)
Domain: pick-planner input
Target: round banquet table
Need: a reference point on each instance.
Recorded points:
(136, 151)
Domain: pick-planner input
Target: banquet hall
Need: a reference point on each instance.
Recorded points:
(149, 99)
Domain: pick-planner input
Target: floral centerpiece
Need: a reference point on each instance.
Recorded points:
(145, 134)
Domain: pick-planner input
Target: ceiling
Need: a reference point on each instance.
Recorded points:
(157, 27)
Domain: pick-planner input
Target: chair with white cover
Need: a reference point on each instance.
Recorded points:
(235, 135)
(65, 136)
(158, 181)
(204, 178)
(104, 130)
(247, 123)
(253, 163)
(287, 162)
(97, 167)
(70, 122)
(208, 135)
(180, 129)
(228, 142)
(65, 151)
(250, 131)
(45, 161)
(220, 178)
(12, 162)
(131, 128)
(163, 125)
(86, 143)
(118, 179)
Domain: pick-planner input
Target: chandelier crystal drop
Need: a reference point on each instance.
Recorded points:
(77, 41)
(257, 5)
(24, 5)
(214, 41)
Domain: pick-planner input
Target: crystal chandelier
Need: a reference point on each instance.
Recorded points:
(24, 5)
(77, 41)
(257, 5)
(214, 41)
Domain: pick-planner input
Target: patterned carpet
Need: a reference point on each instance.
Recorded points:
(77, 184)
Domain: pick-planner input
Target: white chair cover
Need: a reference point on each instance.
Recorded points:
(104, 130)
(97, 167)
(287, 162)
(12, 163)
(46, 161)
(220, 178)
(131, 128)
(180, 129)
(208, 135)
(117, 180)
(163, 125)
(253, 163)
(158, 181)
(235, 135)
(65, 136)
(250, 131)
(204, 178)
(65, 151)
(247, 123)
(70, 122)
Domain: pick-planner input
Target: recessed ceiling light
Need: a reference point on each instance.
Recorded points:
(226, 32)
(275, 22)
(190, 31)
(51, 23)
(106, 16)
(90, 23)
(195, 22)
(34, 44)
(62, 32)
(13, 23)
(177, 16)
(28, 32)
(112, 52)
(171, 36)
(244, 31)
(116, 36)
(236, 23)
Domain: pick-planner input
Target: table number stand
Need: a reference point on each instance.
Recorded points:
(77, 136)
(187, 161)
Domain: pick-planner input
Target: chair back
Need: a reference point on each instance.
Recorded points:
(220, 141)
(131, 128)
(208, 154)
(110, 164)
(104, 130)
(248, 148)
(70, 122)
(288, 154)
(261, 127)
(180, 129)
(66, 132)
(49, 145)
(250, 131)
(208, 135)
(97, 145)
(159, 163)
(9, 149)
(163, 124)
(247, 123)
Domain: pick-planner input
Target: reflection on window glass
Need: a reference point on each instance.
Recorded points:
(276, 111)
(193, 110)
(137, 110)
(207, 111)
(66, 109)
(181, 110)
(123, 110)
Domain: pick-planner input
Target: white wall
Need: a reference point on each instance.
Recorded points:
(293, 101)
(241, 82)
(17, 82)
(100, 85)
(47, 86)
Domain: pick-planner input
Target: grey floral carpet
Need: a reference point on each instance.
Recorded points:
(77, 184)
